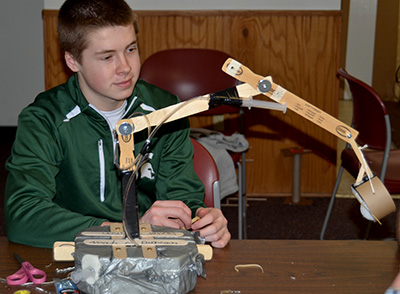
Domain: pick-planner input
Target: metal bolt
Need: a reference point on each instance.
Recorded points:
(125, 129)
(264, 86)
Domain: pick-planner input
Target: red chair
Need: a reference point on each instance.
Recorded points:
(371, 119)
(206, 169)
(189, 73)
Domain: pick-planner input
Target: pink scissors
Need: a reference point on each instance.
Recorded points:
(26, 272)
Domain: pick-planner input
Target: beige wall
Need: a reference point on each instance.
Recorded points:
(386, 57)
(386, 48)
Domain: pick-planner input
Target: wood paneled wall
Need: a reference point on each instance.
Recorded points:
(299, 49)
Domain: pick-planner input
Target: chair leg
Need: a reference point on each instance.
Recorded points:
(243, 177)
(331, 203)
(243, 185)
(369, 227)
(241, 205)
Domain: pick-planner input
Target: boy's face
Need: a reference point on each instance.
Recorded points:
(109, 67)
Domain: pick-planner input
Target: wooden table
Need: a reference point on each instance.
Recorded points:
(290, 266)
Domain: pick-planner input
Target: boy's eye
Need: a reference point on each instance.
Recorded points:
(132, 49)
(107, 57)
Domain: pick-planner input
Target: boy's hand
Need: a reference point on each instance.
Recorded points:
(168, 213)
(213, 226)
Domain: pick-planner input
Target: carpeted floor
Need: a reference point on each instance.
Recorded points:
(271, 218)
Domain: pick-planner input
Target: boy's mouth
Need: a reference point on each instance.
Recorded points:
(124, 84)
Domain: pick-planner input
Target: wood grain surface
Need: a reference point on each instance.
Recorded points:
(290, 266)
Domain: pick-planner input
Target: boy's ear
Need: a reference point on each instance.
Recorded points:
(71, 62)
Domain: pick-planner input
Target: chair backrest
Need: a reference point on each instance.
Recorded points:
(206, 169)
(370, 116)
(189, 73)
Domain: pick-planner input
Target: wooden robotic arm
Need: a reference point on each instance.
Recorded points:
(375, 200)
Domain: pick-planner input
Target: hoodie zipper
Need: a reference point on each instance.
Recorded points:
(101, 149)
(102, 169)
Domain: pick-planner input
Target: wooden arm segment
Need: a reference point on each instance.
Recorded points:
(293, 102)
(127, 127)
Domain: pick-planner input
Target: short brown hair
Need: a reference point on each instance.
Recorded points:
(78, 18)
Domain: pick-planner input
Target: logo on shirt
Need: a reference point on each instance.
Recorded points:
(146, 171)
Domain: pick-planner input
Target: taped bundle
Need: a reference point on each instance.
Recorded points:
(162, 260)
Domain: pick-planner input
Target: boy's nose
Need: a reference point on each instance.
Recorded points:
(123, 65)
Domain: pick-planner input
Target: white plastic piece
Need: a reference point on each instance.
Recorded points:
(91, 267)
(365, 211)
(233, 67)
(82, 275)
(264, 104)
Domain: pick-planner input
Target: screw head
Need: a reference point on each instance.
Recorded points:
(264, 86)
(125, 129)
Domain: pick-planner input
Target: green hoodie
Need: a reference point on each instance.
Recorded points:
(62, 178)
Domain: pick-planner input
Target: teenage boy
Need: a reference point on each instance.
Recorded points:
(62, 177)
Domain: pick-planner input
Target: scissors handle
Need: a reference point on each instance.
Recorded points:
(18, 278)
(37, 276)
(27, 272)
